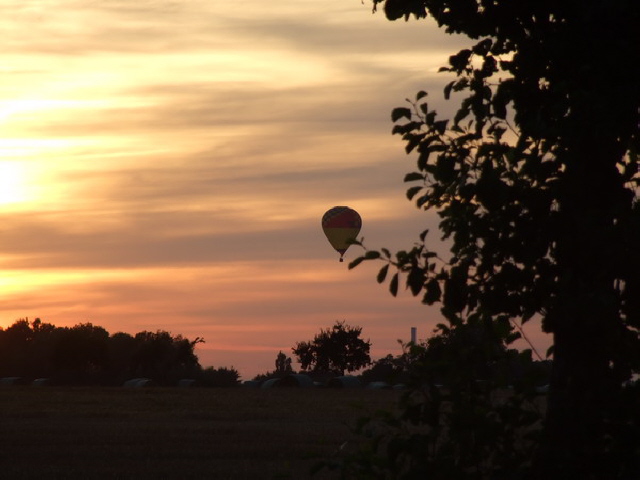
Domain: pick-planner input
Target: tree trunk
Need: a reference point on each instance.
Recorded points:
(585, 321)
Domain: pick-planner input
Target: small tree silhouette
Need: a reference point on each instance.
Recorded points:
(283, 364)
(334, 350)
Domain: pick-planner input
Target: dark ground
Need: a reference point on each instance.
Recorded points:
(181, 433)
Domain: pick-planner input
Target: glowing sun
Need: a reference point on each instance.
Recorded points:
(13, 183)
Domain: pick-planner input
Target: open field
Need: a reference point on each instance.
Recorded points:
(155, 433)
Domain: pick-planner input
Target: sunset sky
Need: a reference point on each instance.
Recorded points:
(165, 165)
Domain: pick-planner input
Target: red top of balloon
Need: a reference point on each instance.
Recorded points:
(341, 225)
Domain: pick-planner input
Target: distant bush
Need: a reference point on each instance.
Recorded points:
(388, 369)
(219, 377)
(283, 368)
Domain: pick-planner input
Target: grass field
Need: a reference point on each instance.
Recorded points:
(178, 433)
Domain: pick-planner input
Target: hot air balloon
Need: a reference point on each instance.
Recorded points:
(341, 225)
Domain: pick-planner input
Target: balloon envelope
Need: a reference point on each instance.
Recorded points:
(341, 225)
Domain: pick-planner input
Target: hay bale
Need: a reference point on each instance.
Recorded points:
(251, 384)
(41, 382)
(379, 386)
(138, 383)
(344, 381)
(12, 381)
(291, 380)
(272, 382)
(296, 380)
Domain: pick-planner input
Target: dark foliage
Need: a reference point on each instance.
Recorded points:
(219, 377)
(336, 350)
(283, 368)
(444, 353)
(389, 369)
(536, 182)
(87, 355)
(163, 357)
(472, 412)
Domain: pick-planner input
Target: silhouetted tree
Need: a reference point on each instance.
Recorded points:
(219, 377)
(40, 351)
(334, 350)
(535, 181)
(26, 348)
(388, 369)
(14, 348)
(283, 364)
(122, 348)
(283, 368)
(164, 358)
(80, 354)
(87, 354)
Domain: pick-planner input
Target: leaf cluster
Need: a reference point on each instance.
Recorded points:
(497, 189)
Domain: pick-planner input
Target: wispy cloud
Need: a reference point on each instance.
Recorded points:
(182, 153)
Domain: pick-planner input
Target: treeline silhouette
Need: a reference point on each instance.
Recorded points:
(87, 354)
